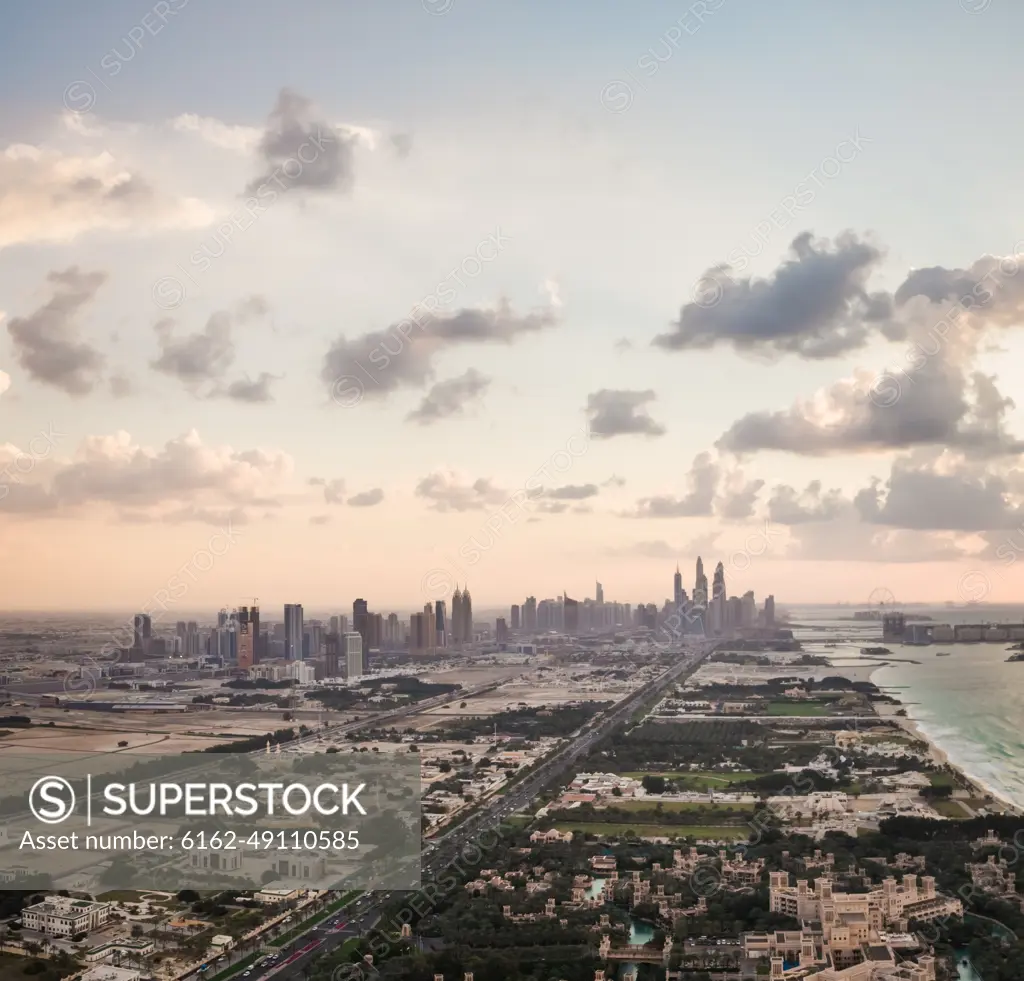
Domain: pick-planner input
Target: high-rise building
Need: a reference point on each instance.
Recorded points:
(462, 617)
(515, 617)
(356, 662)
(678, 593)
(769, 611)
(248, 635)
(748, 614)
(332, 655)
(570, 615)
(700, 586)
(530, 613)
(294, 631)
(501, 631)
(599, 593)
(361, 621)
(440, 624)
(335, 625)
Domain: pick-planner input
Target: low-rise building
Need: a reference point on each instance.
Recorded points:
(61, 916)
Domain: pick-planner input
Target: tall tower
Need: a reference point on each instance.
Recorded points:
(248, 635)
(440, 624)
(467, 617)
(360, 622)
(457, 635)
(599, 594)
(294, 629)
(700, 585)
(677, 589)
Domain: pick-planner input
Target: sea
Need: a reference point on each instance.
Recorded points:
(970, 705)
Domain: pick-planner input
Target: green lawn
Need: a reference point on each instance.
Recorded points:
(735, 832)
(700, 780)
(316, 918)
(941, 779)
(950, 809)
(797, 708)
(120, 896)
(680, 805)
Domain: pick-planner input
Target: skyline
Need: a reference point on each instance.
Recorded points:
(622, 290)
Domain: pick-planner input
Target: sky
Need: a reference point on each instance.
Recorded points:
(335, 300)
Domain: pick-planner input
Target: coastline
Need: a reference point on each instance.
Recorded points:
(939, 756)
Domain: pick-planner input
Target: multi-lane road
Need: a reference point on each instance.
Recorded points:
(440, 853)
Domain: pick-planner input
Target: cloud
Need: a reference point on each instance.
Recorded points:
(738, 500)
(299, 153)
(572, 492)
(121, 386)
(195, 358)
(450, 492)
(46, 342)
(381, 362)
(615, 481)
(242, 139)
(402, 144)
(202, 358)
(320, 519)
(334, 491)
(367, 499)
(703, 479)
(660, 549)
(815, 304)
(450, 398)
(940, 405)
(184, 479)
(46, 196)
(787, 506)
(5, 382)
(618, 412)
(246, 390)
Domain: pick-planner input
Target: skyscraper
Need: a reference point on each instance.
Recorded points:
(700, 585)
(515, 616)
(457, 637)
(501, 630)
(360, 621)
(677, 589)
(354, 654)
(248, 635)
(530, 613)
(440, 624)
(467, 617)
(570, 614)
(599, 594)
(769, 611)
(294, 631)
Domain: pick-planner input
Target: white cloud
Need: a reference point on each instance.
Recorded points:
(49, 196)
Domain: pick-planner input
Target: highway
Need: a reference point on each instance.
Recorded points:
(441, 852)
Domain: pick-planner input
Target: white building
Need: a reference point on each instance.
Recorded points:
(352, 650)
(270, 896)
(61, 916)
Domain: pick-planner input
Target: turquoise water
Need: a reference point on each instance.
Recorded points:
(965, 971)
(970, 704)
(640, 933)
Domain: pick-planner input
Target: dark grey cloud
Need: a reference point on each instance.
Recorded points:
(367, 499)
(47, 344)
(247, 390)
(572, 492)
(620, 412)
(450, 398)
(703, 480)
(376, 364)
(816, 304)
(195, 358)
(938, 405)
(298, 152)
(201, 359)
(963, 498)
